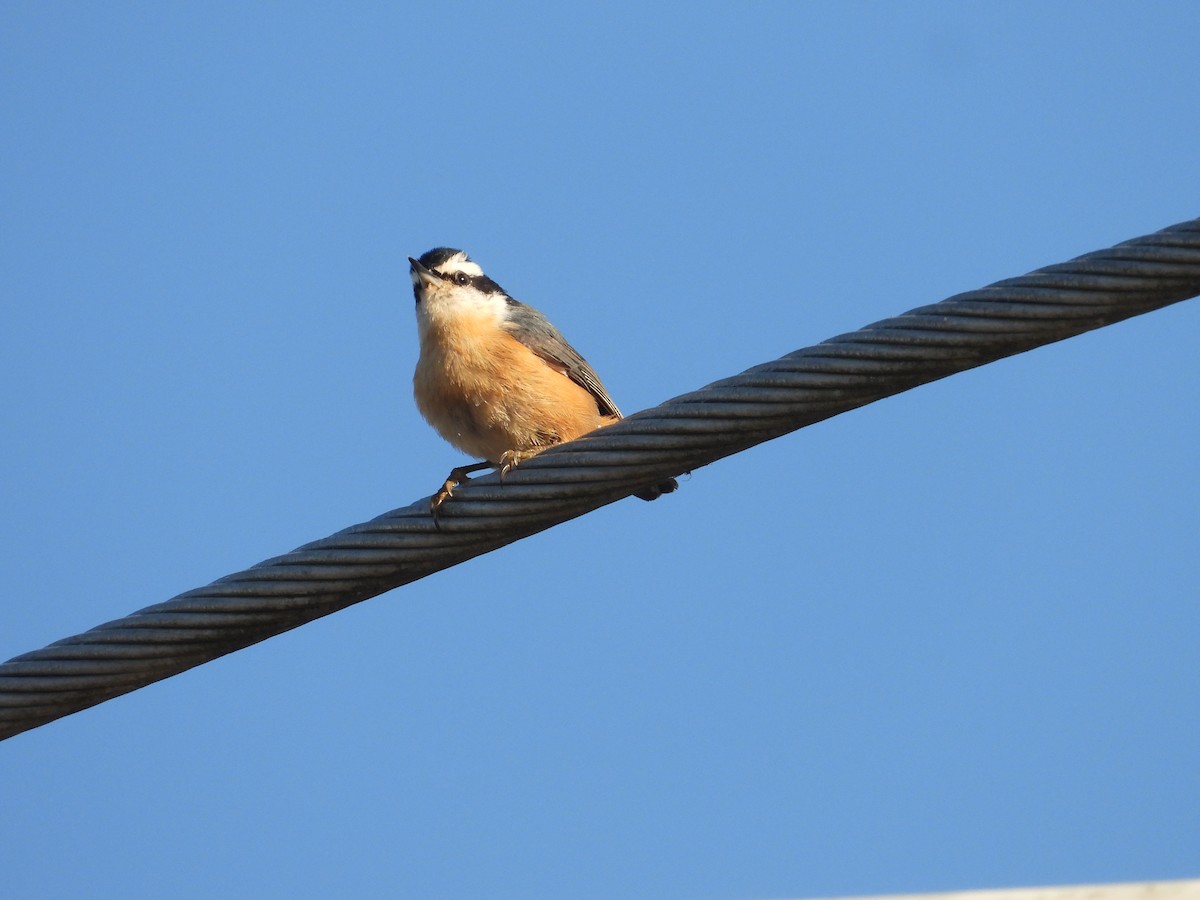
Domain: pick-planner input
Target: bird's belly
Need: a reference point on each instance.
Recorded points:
(489, 397)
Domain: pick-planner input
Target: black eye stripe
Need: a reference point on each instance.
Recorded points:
(480, 282)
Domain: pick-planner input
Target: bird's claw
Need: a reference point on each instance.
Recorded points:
(509, 460)
(445, 492)
(456, 477)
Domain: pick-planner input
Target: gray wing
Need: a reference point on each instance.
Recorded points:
(534, 330)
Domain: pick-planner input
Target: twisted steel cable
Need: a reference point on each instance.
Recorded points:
(683, 434)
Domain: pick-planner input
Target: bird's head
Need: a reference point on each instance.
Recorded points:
(447, 280)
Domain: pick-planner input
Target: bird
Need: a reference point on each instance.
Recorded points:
(494, 377)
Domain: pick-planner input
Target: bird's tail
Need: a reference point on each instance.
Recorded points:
(655, 491)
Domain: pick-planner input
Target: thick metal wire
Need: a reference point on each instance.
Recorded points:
(683, 434)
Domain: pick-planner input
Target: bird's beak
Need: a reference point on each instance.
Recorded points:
(422, 276)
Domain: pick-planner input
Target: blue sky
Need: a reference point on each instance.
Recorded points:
(946, 641)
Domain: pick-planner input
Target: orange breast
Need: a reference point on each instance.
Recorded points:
(485, 392)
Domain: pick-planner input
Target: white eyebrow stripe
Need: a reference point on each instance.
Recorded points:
(458, 263)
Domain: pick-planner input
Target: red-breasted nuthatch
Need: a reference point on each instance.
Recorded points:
(494, 377)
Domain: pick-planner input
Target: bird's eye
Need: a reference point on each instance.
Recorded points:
(461, 278)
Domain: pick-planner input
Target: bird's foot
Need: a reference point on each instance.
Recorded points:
(456, 477)
(510, 459)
